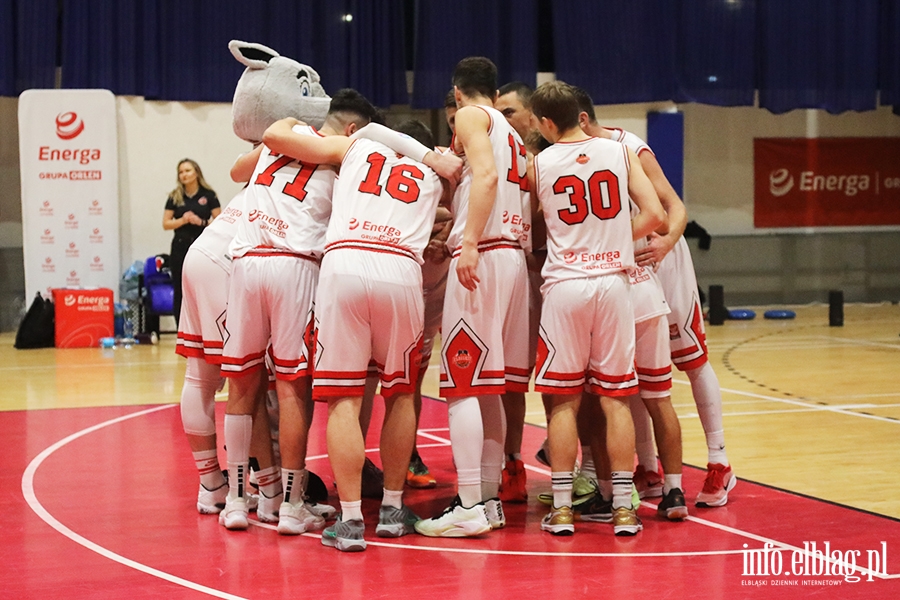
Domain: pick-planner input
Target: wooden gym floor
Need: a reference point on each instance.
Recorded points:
(99, 487)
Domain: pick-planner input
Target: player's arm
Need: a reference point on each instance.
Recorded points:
(538, 225)
(652, 216)
(243, 167)
(658, 245)
(472, 125)
(281, 138)
(447, 166)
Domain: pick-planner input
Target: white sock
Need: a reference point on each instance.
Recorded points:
(351, 510)
(621, 489)
(392, 498)
(207, 462)
(294, 483)
(562, 488)
(466, 444)
(238, 431)
(269, 481)
(670, 482)
(493, 419)
(587, 463)
(708, 398)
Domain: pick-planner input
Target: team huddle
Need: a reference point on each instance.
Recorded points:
(539, 243)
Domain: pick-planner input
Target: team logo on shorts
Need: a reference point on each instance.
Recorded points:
(674, 334)
(582, 159)
(462, 359)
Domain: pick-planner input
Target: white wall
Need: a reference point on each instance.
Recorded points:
(153, 137)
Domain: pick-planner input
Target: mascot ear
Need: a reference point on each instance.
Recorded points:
(254, 56)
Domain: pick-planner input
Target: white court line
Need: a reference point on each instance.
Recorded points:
(802, 404)
(35, 505)
(38, 508)
(851, 341)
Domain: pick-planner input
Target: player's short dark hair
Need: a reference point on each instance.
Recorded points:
(522, 90)
(476, 75)
(450, 100)
(556, 101)
(585, 102)
(348, 105)
(418, 131)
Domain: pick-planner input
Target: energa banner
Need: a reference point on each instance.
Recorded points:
(70, 192)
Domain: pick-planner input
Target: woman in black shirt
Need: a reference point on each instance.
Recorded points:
(191, 206)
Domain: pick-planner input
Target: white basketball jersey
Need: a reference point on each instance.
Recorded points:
(583, 190)
(383, 202)
(215, 239)
(629, 139)
(288, 206)
(510, 219)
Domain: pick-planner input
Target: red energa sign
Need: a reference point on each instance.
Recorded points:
(819, 182)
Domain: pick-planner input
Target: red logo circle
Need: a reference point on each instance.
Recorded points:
(68, 125)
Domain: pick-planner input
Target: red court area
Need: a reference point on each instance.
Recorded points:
(100, 503)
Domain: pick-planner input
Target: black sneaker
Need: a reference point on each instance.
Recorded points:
(673, 506)
(596, 509)
(372, 481)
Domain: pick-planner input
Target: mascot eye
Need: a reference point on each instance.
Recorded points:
(303, 80)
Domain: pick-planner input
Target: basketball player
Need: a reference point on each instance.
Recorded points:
(587, 321)
(276, 254)
(207, 267)
(370, 306)
(687, 335)
(484, 342)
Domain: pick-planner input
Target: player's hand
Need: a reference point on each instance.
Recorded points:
(467, 266)
(448, 166)
(656, 250)
(291, 122)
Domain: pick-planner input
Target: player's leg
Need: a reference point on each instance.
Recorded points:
(198, 411)
(562, 432)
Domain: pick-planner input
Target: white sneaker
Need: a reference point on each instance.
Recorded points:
(234, 515)
(294, 519)
(493, 509)
(211, 502)
(267, 511)
(456, 521)
(325, 511)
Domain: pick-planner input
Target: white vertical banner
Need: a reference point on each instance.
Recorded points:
(68, 161)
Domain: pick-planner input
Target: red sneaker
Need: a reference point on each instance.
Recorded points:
(512, 486)
(719, 481)
(648, 483)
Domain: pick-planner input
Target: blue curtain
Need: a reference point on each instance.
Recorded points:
(172, 50)
(504, 31)
(818, 54)
(889, 53)
(716, 51)
(28, 31)
(619, 51)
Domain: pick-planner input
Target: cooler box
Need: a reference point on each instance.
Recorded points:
(83, 317)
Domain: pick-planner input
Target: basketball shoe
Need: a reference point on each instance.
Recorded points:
(649, 484)
(719, 481)
(456, 521)
(493, 509)
(595, 509)
(512, 484)
(395, 522)
(234, 515)
(267, 509)
(559, 521)
(672, 506)
(626, 522)
(346, 536)
(211, 502)
(418, 475)
(295, 518)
